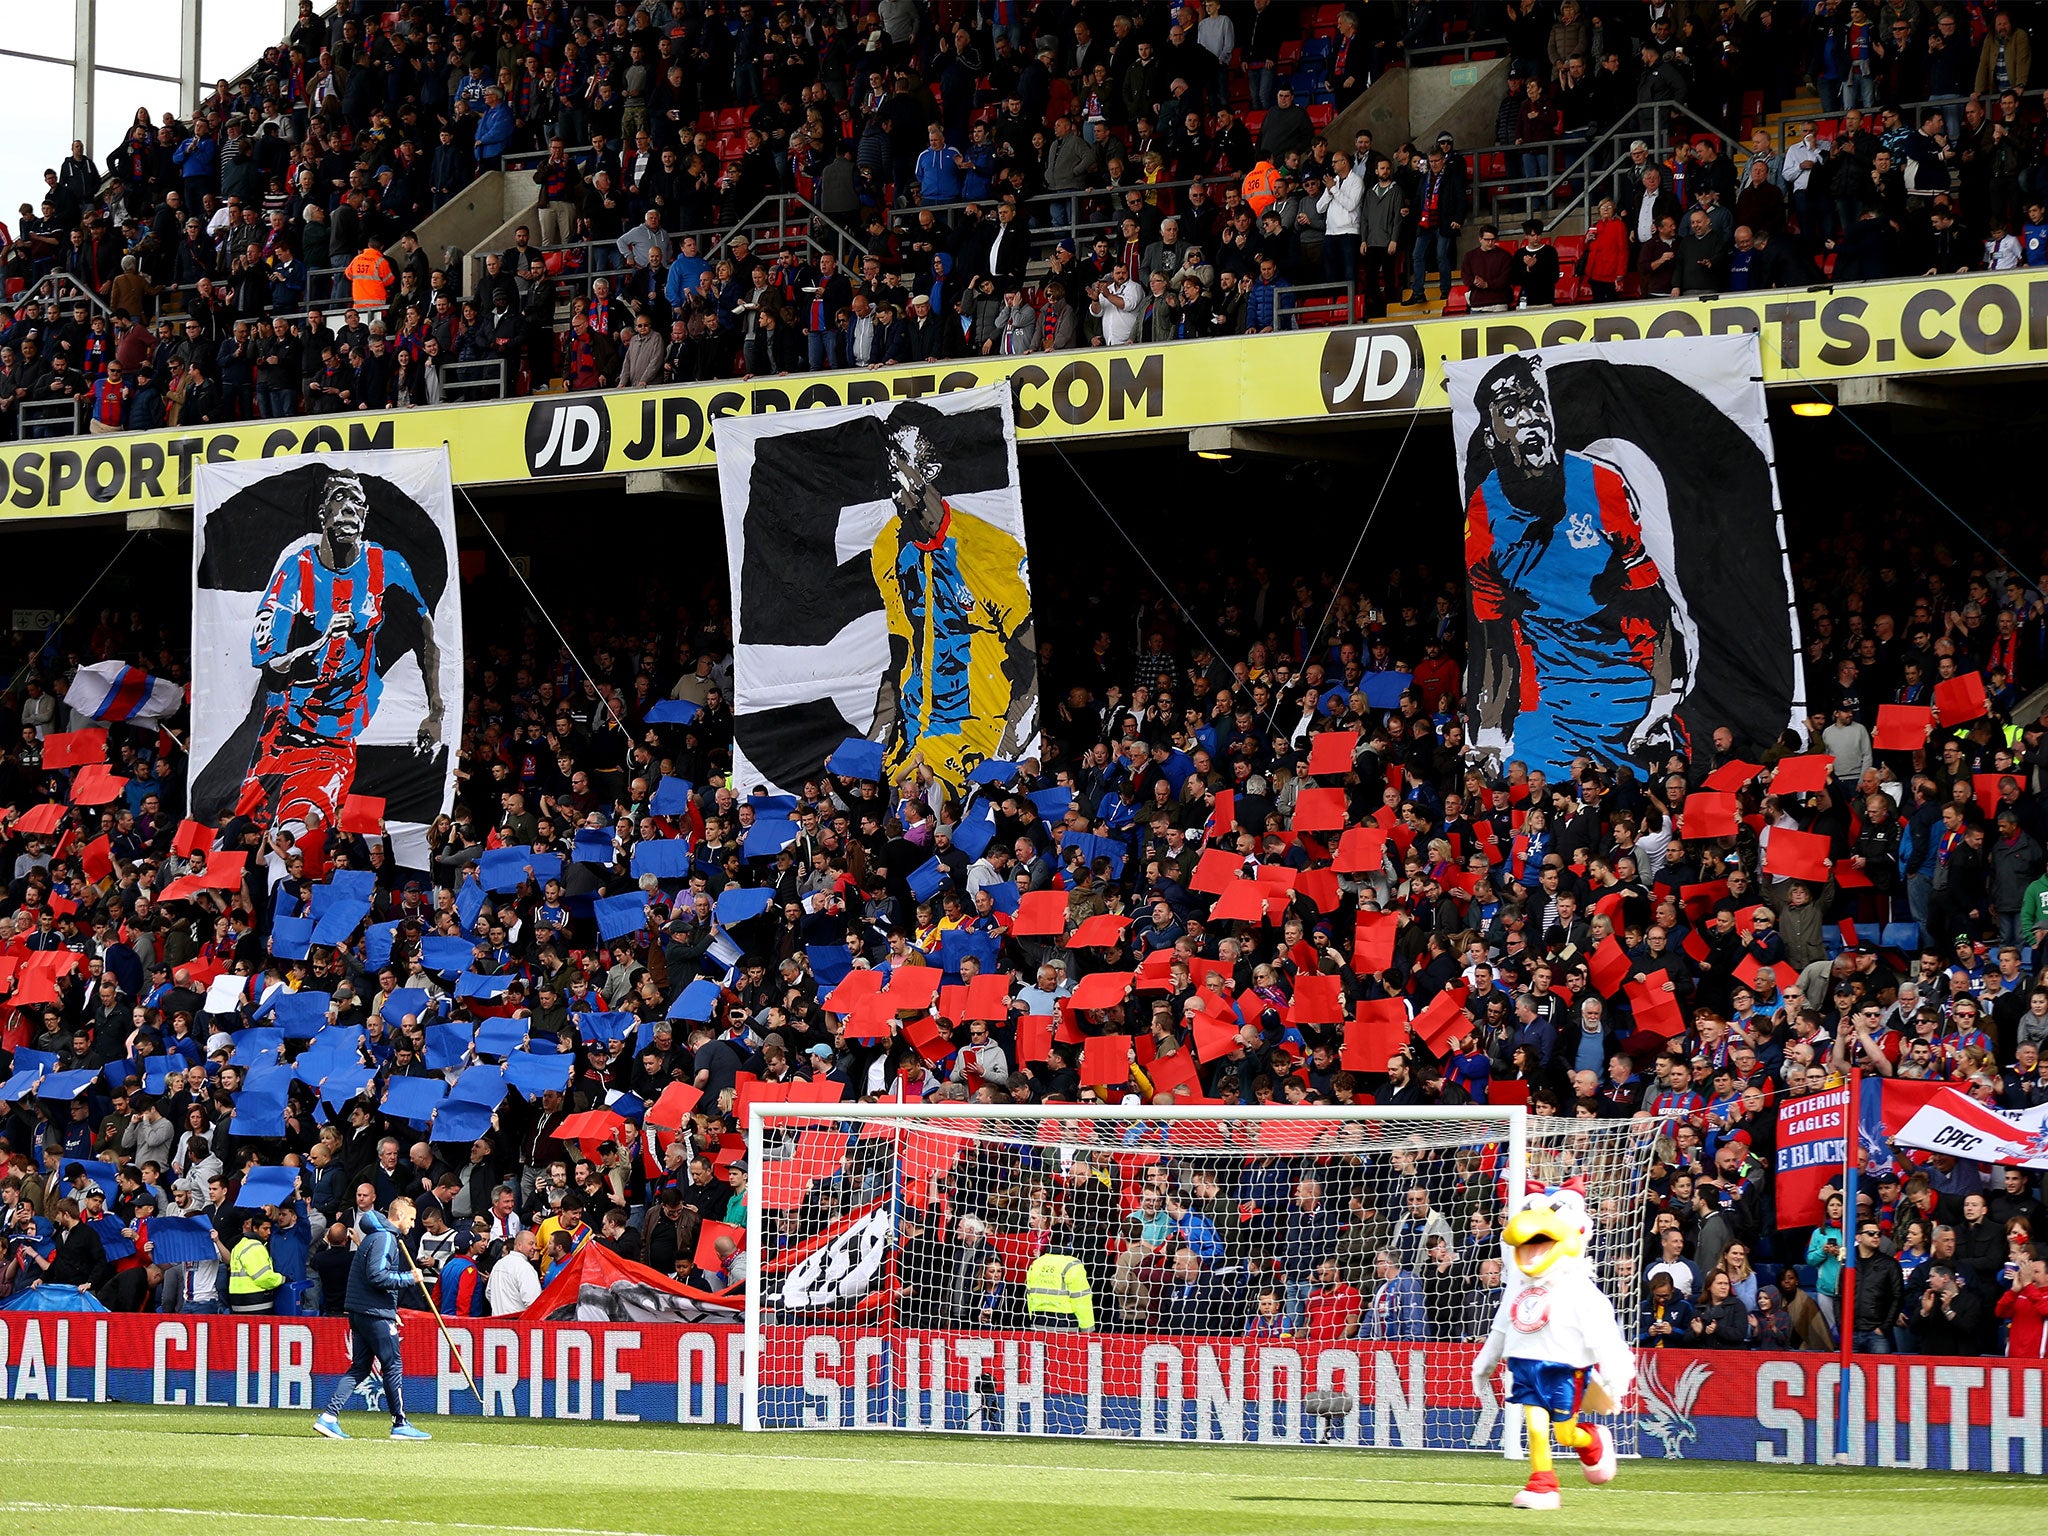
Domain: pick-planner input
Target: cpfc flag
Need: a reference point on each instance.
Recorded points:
(1932, 1117)
(113, 690)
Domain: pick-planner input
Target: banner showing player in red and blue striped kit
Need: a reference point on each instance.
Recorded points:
(1627, 583)
(326, 641)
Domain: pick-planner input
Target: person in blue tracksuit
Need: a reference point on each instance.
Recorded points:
(1584, 658)
(379, 1275)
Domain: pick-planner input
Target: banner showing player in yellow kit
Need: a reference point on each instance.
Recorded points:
(958, 597)
(881, 588)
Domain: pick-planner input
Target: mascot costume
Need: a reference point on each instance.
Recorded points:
(1553, 1328)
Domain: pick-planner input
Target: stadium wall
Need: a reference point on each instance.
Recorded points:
(1817, 336)
(1979, 1415)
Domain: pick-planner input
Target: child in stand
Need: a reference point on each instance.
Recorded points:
(1270, 1320)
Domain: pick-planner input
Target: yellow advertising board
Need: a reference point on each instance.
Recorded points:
(1820, 335)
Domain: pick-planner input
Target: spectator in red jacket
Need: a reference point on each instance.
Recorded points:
(2024, 1309)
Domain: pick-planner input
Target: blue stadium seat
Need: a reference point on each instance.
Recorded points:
(1318, 48)
(1899, 936)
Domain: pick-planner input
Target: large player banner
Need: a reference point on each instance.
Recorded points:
(880, 587)
(326, 640)
(1625, 560)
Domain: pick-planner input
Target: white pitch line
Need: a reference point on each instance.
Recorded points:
(1837, 1485)
(45, 1507)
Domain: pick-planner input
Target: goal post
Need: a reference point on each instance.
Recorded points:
(1242, 1274)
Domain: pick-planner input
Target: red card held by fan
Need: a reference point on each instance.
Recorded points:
(363, 815)
(1443, 1020)
(1106, 1060)
(1609, 966)
(1377, 1030)
(1373, 950)
(1803, 775)
(1331, 751)
(1730, 777)
(1961, 699)
(1797, 855)
(1902, 727)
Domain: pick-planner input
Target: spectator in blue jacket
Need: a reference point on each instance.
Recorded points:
(1396, 1313)
(1311, 1237)
(1262, 300)
(198, 162)
(1197, 1231)
(938, 169)
(494, 131)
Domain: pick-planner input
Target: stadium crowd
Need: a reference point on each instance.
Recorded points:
(994, 180)
(1236, 915)
(1213, 884)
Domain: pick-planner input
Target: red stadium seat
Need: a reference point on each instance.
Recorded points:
(732, 119)
(1320, 114)
(1459, 303)
(1290, 51)
(1493, 167)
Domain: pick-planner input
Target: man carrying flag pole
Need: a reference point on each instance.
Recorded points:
(374, 1283)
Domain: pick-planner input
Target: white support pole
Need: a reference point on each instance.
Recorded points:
(82, 84)
(189, 21)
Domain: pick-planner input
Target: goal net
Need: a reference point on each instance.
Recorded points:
(1293, 1276)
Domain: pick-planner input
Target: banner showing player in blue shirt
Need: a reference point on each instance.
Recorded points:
(326, 624)
(1625, 568)
(1554, 550)
(315, 637)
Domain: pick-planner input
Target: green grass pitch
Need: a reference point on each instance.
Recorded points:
(109, 1471)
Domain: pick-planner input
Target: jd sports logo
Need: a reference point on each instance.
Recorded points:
(1372, 369)
(567, 437)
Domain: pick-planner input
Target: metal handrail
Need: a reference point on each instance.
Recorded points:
(1585, 175)
(1298, 298)
(1422, 57)
(1786, 128)
(480, 379)
(61, 288)
(50, 418)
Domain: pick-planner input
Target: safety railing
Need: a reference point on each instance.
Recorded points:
(1572, 190)
(481, 379)
(62, 289)
(1788, 130)
(51, 418)
(1462, 52)
(1305, 306)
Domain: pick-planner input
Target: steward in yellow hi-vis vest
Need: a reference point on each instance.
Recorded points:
(253, 1281)
(963, 649)
(1056, 1285)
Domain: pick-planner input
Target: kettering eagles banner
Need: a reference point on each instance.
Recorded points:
(326, 641)
(880, 588)
(1627, 577)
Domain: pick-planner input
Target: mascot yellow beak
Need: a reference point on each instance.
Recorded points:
(1539, 1236)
